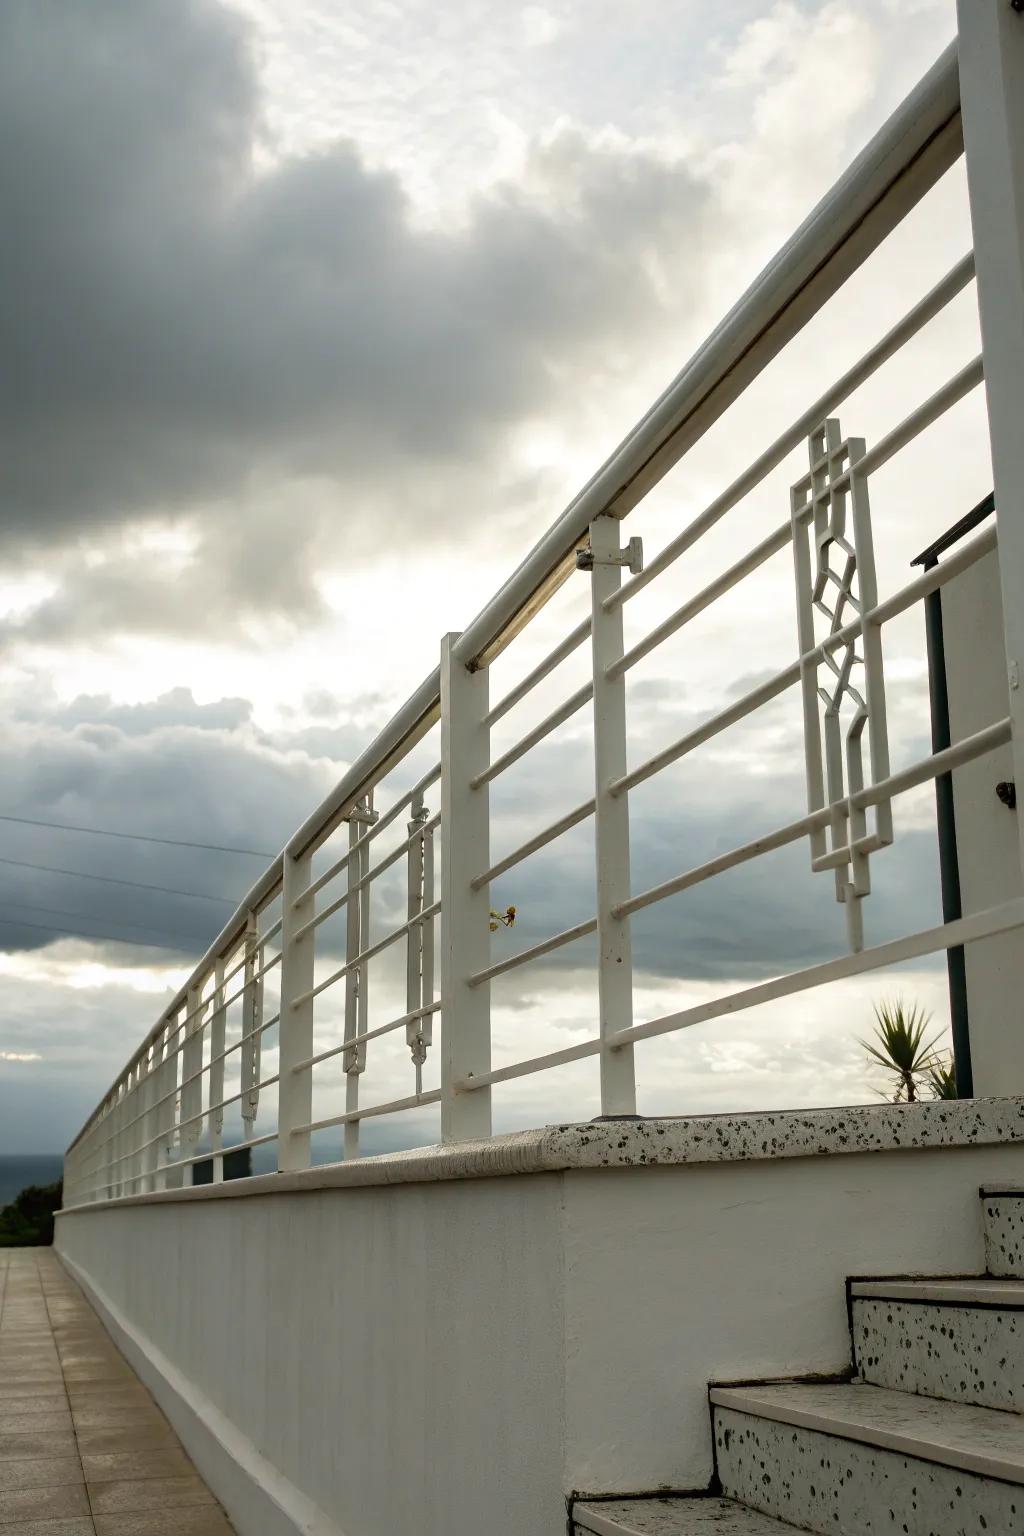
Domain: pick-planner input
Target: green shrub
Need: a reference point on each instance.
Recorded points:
(28, 1221)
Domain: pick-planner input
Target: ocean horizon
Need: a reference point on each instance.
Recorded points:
(19, 1170)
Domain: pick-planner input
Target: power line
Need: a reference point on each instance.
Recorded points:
(138, 885)
(137, 837)
(12, 922)
(30, 906)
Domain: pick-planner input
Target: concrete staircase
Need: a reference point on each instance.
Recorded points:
(926, 1440)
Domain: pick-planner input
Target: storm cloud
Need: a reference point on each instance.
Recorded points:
(187, 325)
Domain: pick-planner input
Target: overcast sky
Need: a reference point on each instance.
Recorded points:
(311, 320)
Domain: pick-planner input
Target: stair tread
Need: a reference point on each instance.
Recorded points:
(675, 1517)
(981, 1290)
(986, 1441)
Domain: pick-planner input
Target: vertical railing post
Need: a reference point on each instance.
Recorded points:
(357, 932)
(168, 1084)
(119, 1139)
(295, 1088)
(417, 1030)
(218, 1025)
(151, 1123)
(357, 982)
(139, 1101)
(465, 912)
(991, 60)
(252, 1020)
(611, 826)
(191, 1081)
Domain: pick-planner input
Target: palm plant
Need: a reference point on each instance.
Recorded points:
(942, 1078)
(900, 1047)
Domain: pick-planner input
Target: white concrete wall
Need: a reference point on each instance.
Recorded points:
(972, 623)
(438, 1359)
(395, 1356)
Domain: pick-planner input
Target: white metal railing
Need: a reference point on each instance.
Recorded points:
(257, 991)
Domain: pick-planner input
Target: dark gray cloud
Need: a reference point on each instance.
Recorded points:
(182, 332)
(168, 768)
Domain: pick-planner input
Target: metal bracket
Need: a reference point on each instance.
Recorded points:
(365, 818)
(632, 557)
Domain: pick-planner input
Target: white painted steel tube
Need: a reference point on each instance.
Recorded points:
(932, 767)
(752, 561)
(960, 560)
(572, 642)
(913, 321)
(545, 947)
(371, 874)
(557, 717)
(964, 930)
(393, 1107)
(928, 412)
(904, 159)
(371, 1034)
(365, 955)
(892, 173)
(539, 840)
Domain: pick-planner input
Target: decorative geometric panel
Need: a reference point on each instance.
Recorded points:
(840, 667)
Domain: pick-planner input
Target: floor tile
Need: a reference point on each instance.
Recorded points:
(40, 1472)
(84, 1449)
(73, 1527)
(148, 1493)
(168, 1522)
(40, 1503)
(121, 1466)
(106, 1416)
(29, 1422)
(108, 1439)
(22, 1444)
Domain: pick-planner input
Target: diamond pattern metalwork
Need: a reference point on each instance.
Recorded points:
(843, 686)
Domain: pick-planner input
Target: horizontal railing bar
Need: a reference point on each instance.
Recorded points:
(964, 930)
(258, 941)
(907, 156)
(960, 560)
(526, 1068)
(913, 321)
(268, 1082)
(173, 1092)
(750, 562)
(206, 1157)
(414, 1101)
(368, 954)
(544, 948)
(573, 640)
(902, 162)
(371, 875)
(539, 840)
(370, 1034)
(380, 825)
(910, 427)
(897, 783)
(550, 723)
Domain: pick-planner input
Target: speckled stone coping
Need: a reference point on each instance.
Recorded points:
(691, 1139)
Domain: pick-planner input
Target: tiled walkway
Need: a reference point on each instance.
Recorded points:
(84, 1450)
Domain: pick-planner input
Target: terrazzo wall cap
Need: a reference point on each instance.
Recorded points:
(855, 1459)
(1003, 1219)
(672, 1517)
(959, 1342)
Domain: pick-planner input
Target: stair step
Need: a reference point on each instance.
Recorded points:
(960, 1340)
(855, 1458)
(673, 1517)
(1003, 1220)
